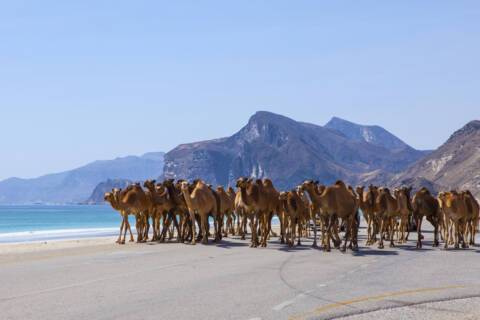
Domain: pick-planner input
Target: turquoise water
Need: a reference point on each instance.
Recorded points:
(39, 222)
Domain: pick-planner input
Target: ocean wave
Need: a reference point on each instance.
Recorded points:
(60, 234)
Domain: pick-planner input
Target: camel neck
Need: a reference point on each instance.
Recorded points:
(243, 193)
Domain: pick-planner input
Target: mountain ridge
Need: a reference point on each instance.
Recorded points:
(287, 151)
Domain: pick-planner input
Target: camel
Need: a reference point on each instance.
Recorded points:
(314, 192)
(455, 213)
(163, 207)
(112, 198)
(295, 210)
(227, 207)
(273, 208)
(202, 202)
(387, 211)
(367, 205)
(404, 210)
(472, 218)
(139, 203)
(336, 202)
(253, 203)
(236, 219)
(425, 205)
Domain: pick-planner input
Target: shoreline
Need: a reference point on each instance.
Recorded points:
(14, 248)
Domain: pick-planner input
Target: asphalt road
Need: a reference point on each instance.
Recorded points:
(232, 281)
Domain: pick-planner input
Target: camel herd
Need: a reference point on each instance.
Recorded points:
(178, 207)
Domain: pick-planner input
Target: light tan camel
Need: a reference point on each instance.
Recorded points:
(254, 205)
(387, 211)
(454, 212)
(138, 203)
(366, 201)
(112, 198)
(200, 201)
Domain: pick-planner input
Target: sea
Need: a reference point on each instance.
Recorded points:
(31, 223)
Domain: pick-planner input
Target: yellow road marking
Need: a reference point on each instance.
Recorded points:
(329, 307)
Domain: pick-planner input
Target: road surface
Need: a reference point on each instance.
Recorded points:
(232, 281)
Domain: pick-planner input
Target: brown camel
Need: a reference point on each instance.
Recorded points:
(137, 202)
(273, 202)
(337, 202)
(425, 205)
(227, 207)
(295, 210)
(454, 212)
(472, 207)
(200, 201)
(163, 207)
(253, 203)
(387, 211)
(112, 198)
(404, 210)
(367, 205)
(236, 219)
(315, 192)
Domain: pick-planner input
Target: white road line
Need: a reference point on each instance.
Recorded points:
(287, 303)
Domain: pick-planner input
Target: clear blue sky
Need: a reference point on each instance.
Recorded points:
(87, 80)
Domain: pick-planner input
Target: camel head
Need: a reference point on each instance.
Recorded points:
(283, 196)
(108, 197)
(268, 183)
(149, 184)
(242, 182)
(308, 185)
(220, 189)
(360, 190)
(185, 186)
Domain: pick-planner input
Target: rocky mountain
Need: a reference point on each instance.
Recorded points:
(97, 196)
(454, 165)
(76, 186)
(375, 135)
(286, 151)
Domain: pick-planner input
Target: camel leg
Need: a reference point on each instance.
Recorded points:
(331, 221)
(419, 231)
(382, 225)
(293, 228)
(392, 232)
(435, 235)
(175, 225)
(314, 215)
(369, 231)
(347, 234)
(119, 240)
(192, 219)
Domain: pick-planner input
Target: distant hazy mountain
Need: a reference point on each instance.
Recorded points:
(98, 193)
(375, 135)
(454, 165)
(288, 152)
(77, 185)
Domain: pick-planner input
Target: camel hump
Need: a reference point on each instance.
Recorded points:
(130, 197)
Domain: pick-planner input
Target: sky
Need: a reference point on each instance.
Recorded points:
(88, 80)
